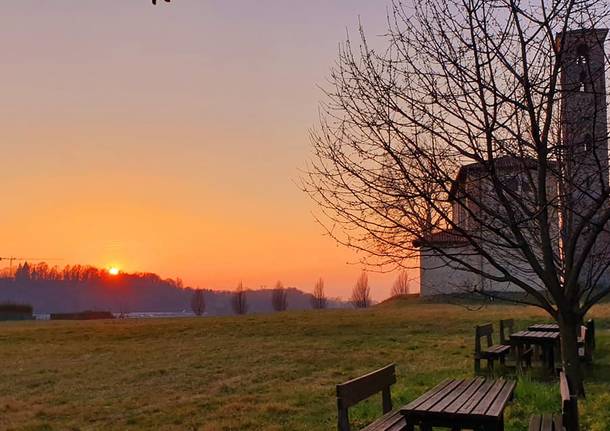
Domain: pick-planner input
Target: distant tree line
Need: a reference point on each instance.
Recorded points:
(26, 272)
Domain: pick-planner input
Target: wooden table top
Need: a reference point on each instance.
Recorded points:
(455, 398)
(535, 336)
(550, 327)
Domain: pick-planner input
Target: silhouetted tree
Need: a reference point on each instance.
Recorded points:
(239, 301)
(471, 92)
(361, 294)
(318, 297)
(23, 272)
(279, 297)
(198, 302)
(402, 284)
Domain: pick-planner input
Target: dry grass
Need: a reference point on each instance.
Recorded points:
(272, 372)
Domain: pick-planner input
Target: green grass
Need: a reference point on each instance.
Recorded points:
(272, 372)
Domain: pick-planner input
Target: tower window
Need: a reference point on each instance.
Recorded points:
(582, 81)
(582, 54)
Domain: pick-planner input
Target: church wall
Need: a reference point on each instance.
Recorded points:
(440, 276)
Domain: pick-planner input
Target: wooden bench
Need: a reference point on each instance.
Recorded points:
(361, 388)
(507, 327)
(567, 420)
(492, 352)
(586, 341)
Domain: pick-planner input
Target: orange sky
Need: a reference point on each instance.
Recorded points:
(169, 139)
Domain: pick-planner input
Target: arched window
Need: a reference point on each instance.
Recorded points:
(582, 81)
(582, 54)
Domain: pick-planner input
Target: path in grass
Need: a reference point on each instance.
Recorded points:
(271, 372)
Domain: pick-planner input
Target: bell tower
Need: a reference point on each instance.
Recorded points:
(584, 123)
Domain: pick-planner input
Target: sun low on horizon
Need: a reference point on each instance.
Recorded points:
(165, 149)
(113, 270)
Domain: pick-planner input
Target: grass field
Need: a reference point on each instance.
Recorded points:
(271, 372)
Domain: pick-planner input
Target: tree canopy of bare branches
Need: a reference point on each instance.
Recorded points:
(361, 293)
(279, 297)
(402, 284)
(415, 139)
(318, 297)
(239, 301)
(198, 302)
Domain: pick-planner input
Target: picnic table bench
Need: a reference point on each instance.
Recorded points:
(491, 351)
(461, 404)
(569, 412)
(360, 388)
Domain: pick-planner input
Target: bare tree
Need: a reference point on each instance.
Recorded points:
(477, 136)
(402, 284)
(318, 297)
(361, 293)
(239, 300)
(279, 297)
(198, 302)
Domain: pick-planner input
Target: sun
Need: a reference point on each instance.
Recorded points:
(113, 270)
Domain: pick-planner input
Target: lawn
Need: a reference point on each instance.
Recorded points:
(271, 372)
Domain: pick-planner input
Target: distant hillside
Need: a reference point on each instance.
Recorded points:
(78, 288)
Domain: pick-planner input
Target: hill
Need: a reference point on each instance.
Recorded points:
(258, 372)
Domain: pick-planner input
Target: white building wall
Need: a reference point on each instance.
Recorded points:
(441, 276)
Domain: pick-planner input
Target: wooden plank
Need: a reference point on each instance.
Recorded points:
(547, 423)
(488, 399)
(472, 402)
(437, 397)
(459, 402)
(497, 407)
(564, 388)
(459, 390)
(360, 388)
(422, 398)
(558, 420)
(535, 422)
(387, 422)
(484, 330)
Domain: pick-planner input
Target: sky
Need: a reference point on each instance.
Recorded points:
(170, 138)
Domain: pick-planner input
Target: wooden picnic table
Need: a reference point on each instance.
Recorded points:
(461, 403)
(546, 327)
(547, 340)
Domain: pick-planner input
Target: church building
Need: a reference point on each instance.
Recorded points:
(584, 135)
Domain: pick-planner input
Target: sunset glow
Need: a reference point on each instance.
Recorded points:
(113, 270)
(211, 142)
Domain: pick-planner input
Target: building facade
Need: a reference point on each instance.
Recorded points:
(449, 263)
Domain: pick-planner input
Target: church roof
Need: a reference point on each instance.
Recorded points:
(503, 163)
(448, 237)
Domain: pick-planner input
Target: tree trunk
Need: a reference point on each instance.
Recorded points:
(570, 329)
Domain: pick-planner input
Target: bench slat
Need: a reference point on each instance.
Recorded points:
(505, 394)
(476, 398)
(360, 388)
(392, 421)
(483, 406)
(459, 402)
(535, 422)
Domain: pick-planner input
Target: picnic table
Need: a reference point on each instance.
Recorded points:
(546, 327)
(547, 340)
(461, 403)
